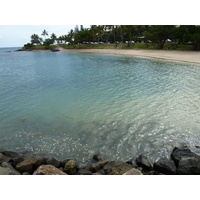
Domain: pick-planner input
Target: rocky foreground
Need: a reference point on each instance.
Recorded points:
(182, 161)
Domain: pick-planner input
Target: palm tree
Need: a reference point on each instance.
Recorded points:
(44, 33)
(53, 37)
(35, 39)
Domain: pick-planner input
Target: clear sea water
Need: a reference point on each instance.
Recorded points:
(65, 104)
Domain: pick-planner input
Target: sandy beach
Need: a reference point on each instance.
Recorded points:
(170, 55)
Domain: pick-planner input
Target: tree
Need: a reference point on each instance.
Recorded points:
(193, 36)
(44, 33)
(35, 39)
(48, 42)
(53, 37)
(159, 34)
(71, 35)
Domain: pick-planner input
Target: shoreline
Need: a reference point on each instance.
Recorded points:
(182, 161)
(192, 57)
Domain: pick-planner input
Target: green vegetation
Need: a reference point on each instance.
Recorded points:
(184, 37)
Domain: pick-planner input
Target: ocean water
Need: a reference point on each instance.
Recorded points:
(74, 105)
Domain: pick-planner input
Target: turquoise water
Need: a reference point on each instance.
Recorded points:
(76, 104)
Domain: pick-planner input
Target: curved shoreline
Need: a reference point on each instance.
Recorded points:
(168, 55)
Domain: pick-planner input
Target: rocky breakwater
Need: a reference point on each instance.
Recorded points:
(182, 161)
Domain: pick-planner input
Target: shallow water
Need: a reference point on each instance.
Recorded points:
(75, 105)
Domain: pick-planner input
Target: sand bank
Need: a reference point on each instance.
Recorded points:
(170, 55)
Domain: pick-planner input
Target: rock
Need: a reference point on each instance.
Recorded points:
(165, 166)
(144, 162)
(84, 172)
(84, 166)
(48, 170)
(96, 173)
(70, 167)
(12, 154)
(25, 173)
(4, 158)
(97, 157)
(63, 162)
(15, 161)
(53, 161)
(116, 168)
(54, 49)
(7, 169)
(189, 166)
(132, 162)
(179, 152)
(133, 171)
(29, 164)
(187, 162)
(98, 165)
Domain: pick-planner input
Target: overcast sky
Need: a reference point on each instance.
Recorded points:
(18, 35)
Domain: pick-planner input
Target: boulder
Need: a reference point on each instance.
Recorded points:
(189, 166)
(54, 49)
(179, 152)
(133, 171)
(25, 173)
(53, 161)
(116, 168)
(84, 172)
(144, 162)
(70, 167)
(96, 173)
(29, 164)
(97, 157)
(63, 162)
(187, 162)
(98, 165)
(15, 161)
(7, 169)
(12, 154)
(48, 170)
(132, 162)
(165, 166)
(4, 158)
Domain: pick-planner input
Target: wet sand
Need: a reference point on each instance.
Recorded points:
(170, 55)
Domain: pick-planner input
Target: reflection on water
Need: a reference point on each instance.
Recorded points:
(76, 105)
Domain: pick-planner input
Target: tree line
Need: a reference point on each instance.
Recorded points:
(159, 34)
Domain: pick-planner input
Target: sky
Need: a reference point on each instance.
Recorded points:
(18, 35)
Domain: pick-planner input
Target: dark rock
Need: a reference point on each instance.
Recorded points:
(189, 166)
(98, 165)
(84, 172)
(132, 162)
(48, 170)
(133, 171)
(25, 173)
(144, 162)
(54, 49)
(63, 162)
(29, 164)
(97, 173)
(4, 158)
(187, 162)
(84, 166)
(70, 167)
(179, 152)
(61, 168)
(97, 157)
(165, 166)
(15, 161)
(116, 168)
(53, 161)
(7, 169)
(12, 154)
